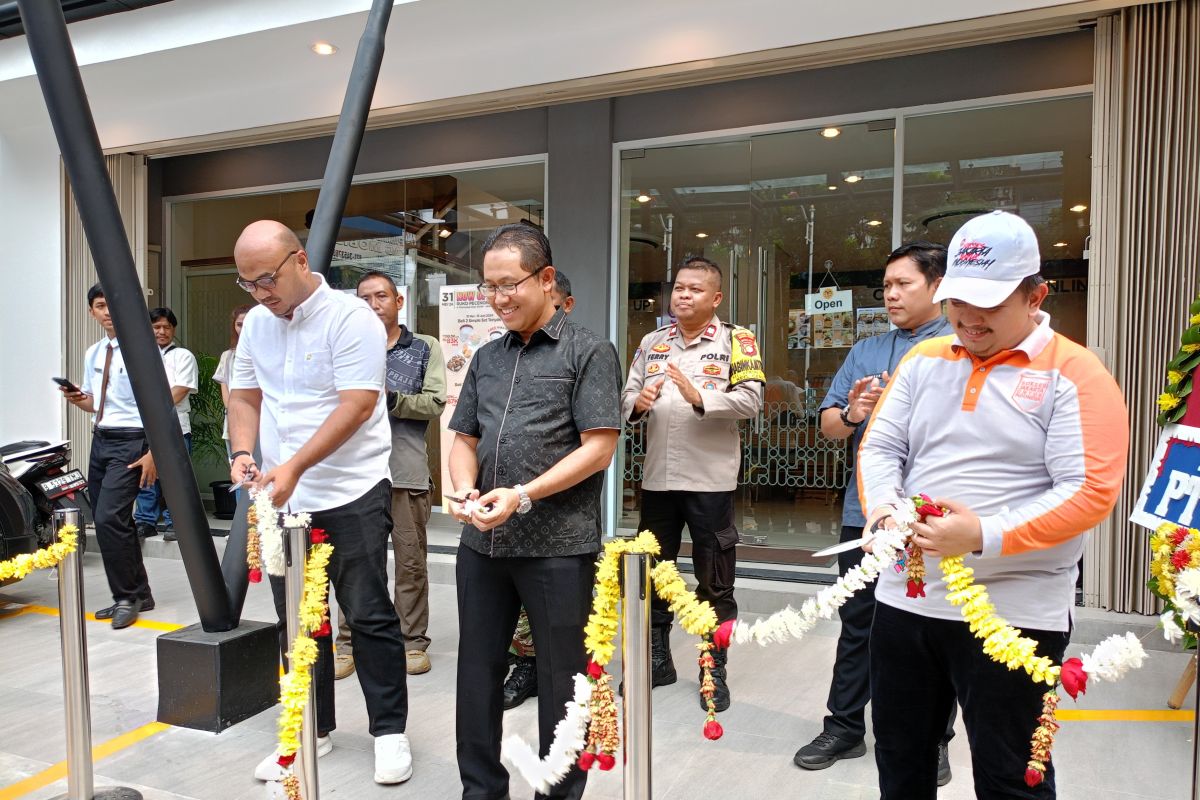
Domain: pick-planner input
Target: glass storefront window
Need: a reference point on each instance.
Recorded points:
(788, 215)
(425, 232)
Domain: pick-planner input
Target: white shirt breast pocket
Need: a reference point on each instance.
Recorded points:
(316, 369)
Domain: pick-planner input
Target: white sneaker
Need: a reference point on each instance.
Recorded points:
(269, 770)
(393, 758)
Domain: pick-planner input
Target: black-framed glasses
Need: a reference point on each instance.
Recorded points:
(506, 289)
(266, 281)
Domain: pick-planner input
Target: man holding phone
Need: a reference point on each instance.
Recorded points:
(120, 464)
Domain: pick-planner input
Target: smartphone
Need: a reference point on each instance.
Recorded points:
(66, 384)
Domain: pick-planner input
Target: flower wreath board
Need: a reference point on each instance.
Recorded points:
(588, 734)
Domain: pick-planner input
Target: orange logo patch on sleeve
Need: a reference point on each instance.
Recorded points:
(749, 345)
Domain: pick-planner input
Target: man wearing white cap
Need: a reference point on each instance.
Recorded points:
(1022, 434)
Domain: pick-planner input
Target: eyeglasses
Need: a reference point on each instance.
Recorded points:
(266, 281)
(506, 289)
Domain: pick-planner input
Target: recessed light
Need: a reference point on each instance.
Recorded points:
(852, 178)
(830, 133)
(701, 235)
(875, 223)
(1079, 209)
(1060, 244)
(643, 198)
(444, 233)
(831, 188)
(323, 48)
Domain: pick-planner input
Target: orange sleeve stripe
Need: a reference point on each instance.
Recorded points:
(1104, 426)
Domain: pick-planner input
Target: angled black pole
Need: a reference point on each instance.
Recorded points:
(75, 129)
(343, 154)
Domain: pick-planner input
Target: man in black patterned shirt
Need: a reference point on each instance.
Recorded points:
(535, 426)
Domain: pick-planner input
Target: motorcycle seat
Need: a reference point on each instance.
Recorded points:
(18, 447)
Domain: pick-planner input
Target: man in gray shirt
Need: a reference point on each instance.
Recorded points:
(416, 393)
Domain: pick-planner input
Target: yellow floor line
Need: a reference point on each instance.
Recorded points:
(49, 611)
(100, 751)
(1124, 715)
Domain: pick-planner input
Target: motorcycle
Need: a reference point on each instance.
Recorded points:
(35, 479)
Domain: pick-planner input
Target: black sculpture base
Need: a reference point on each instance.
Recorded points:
(211, 681)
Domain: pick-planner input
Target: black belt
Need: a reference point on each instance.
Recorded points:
(119, 433)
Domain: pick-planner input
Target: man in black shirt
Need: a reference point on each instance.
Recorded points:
(536, 424)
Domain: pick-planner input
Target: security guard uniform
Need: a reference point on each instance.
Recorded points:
(693, 455)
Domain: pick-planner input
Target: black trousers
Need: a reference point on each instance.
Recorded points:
(322, 670)
(360, 532)
(557, 595)
(709, 518)
(918, 666)
(113, 487)
(850, 689)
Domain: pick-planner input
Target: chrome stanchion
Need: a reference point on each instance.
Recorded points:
(295, 547)
(76, 696)
(635, 657)
(1196, 741)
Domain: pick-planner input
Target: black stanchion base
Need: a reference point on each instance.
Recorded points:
(210, 681)
(109, 793)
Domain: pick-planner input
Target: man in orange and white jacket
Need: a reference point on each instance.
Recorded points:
(1023, 435)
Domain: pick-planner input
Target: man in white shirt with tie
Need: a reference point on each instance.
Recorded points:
(120, 464)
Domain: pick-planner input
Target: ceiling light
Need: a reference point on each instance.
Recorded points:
(1060, 244)
(444, 233)
(875, 223)
(831, 188)
(323, 48)
(853, 178)
(701, 235)
(643, 198)
(830, 133)
(1079, 209)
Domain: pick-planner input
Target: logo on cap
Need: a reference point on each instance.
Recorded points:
(974, 254)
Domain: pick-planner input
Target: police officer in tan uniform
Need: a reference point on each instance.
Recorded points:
(690, 382)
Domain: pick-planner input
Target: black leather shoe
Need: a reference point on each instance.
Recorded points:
(169, 535)
(521, 683)
(721, 690)
(145, 530)
(107, 613)
(827, 749)
(126, 613)
(944, 775)
(662, 666)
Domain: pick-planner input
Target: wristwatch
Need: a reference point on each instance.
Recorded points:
(526, 503)
(846, 420)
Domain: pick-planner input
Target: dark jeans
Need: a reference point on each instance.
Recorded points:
(322, 670)
(112, 487)
(918, 666)
(557, 595)
(850, 689)
(709, 518)
(359, 532)
(150, 499)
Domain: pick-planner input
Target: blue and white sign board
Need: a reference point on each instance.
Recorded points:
(1171, 493)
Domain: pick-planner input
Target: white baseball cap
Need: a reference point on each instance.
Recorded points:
(988, 258)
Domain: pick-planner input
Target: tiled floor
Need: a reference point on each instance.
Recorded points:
(779, 695)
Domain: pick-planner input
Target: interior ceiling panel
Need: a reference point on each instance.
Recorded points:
(73, 10)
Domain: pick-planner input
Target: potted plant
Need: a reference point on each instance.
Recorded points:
(208, 443)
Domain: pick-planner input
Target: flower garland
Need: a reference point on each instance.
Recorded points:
(50, 556)
(570, 736)
(698, 618)
(264, 537)
(1171, 405)
(1175, 577)
(254, 563)
(313, 621)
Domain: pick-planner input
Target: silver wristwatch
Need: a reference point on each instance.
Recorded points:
(526, 503)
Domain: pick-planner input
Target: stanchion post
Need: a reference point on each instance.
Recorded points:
(295, 544)
(76, 695)
(1196, 742)
(635, 657)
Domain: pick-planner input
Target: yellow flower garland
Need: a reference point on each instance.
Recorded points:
(601, 628)
(20, 566)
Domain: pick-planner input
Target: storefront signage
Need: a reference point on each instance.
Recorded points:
(1171, 493)
(465, 323)
(829, 301)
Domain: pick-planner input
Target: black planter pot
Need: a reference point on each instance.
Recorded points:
(224, 501)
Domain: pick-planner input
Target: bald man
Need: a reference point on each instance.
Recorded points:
(308, 386)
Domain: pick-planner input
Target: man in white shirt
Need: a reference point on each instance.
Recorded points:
(308, 385)
(183, 377)
(120, 463)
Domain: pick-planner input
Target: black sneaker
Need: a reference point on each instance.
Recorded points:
(145, 530)
(826, 749)
(943, 764)
(521, 683)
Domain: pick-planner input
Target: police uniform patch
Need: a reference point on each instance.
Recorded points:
(746, 340)
(744, 365)
(653, 368)
(661, 348)
(712, 369)
(710, 385)
(710, 331)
